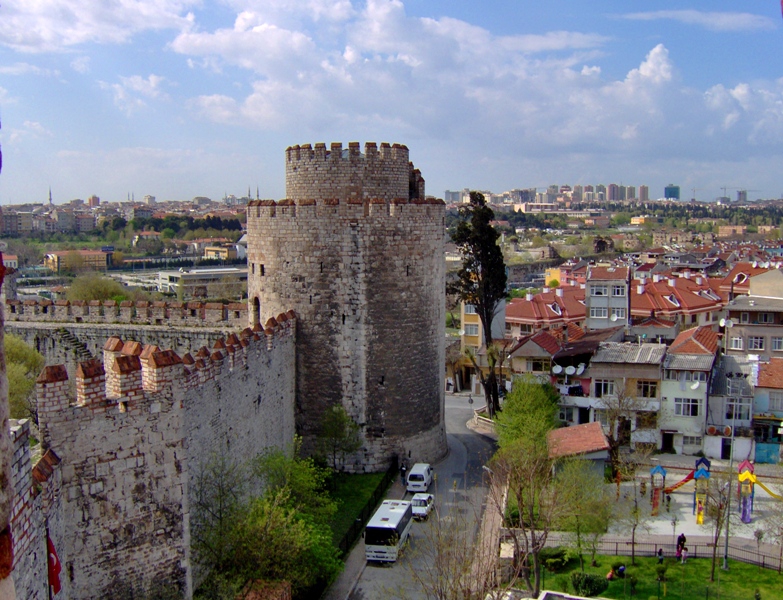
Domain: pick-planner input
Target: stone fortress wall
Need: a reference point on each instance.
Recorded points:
(356, 250)
(125, 443)
(69, 332)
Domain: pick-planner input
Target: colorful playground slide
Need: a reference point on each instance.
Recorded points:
(679, 484)
(769, 491)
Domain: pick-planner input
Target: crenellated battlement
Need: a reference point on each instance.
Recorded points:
(385, 172)
(131, 374)
(353, 208)
(306, 153)
(142, 312)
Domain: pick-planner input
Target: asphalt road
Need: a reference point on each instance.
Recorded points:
(459, 491)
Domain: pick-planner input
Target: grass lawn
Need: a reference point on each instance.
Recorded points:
(683, 582)
(351, 492)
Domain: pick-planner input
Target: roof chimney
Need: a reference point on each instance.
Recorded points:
(656, 278)
(640, 289)
(699, 280)
(559, 292)
(529, 297)
(687, 274)
(672, 282)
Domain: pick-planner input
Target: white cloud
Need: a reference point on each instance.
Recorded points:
(81, 64)
(750, 113)
(714, 21)
(55, 25)
(23, 68)
(129, 95)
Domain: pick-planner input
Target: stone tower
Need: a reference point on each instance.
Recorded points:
(357, 252)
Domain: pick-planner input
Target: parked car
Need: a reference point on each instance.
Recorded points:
(419, 478)
(422, 505)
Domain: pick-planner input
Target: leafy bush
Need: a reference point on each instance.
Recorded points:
(554, 559)
(660, 571)
(633, 581)
(562, 583)
(588, 584)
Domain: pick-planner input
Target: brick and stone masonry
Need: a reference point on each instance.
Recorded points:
(124, 446)
(357, 252)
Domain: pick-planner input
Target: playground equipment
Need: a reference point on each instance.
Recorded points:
(746, 489)
(657, 484)
(700, 463)
(747, 480)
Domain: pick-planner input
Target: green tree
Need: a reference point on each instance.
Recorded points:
(481, 280)
(338, 436)
(304, 481)
(590, 507)
(23, 364)
(92, 286)
(278, 544)
(541, 493)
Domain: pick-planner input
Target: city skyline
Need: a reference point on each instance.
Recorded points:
(179, 98)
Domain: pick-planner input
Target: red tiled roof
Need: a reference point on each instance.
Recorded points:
(608, 273)
(579, 439)
(698, 340)
(771, 374)
(738, 278)
(539, 310)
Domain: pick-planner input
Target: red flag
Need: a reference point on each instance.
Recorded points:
(54, 567)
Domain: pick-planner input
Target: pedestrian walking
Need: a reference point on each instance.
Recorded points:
(403, 471)
(684, 555)
(660, 556)
(680, 544)
(668, 502)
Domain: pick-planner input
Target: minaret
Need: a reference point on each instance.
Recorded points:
(50, 196)
(257, 198)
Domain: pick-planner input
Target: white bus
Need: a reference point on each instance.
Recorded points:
(388, 530)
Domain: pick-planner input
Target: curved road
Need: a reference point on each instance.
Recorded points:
(459, 492)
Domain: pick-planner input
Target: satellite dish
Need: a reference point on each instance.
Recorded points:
(722, 322)
(613, 317)
(580, 369)
(729, 323)
(462, 332)
(695, 385)
(570, 370)
(557, 369)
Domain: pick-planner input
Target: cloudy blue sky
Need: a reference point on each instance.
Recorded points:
(178, 98)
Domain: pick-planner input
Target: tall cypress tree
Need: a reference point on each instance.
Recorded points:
(481, 281)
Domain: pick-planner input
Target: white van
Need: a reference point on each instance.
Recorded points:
(419, 478)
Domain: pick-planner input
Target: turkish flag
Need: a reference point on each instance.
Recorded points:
(54, 567)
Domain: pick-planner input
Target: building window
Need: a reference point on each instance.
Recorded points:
(602, 416)
(646, 419)
(603, 387)
(470, 309)
(700, 376)
(744, 318)
(737, 409)
(598, 290)
(526, 329)
(567, 413)
(618, 290)
(777, 344)
(535, 365)
(735, 343)
(755, 342)
(671, 375)
(471, 329)
(647, 389)
(619, 313)
(776, 401)
(766, 318)
(691, 440)
(598, 312)
(686, 407)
